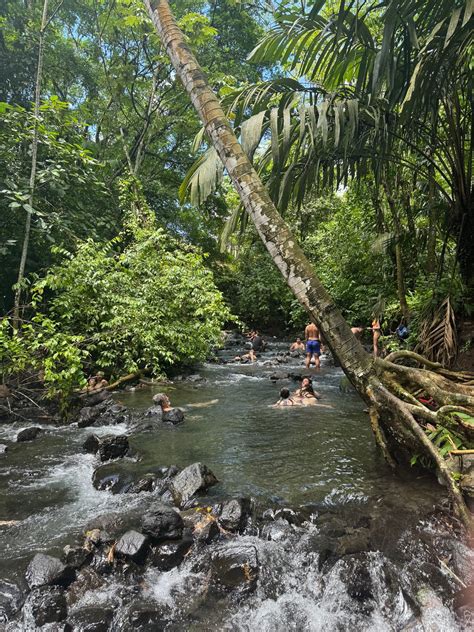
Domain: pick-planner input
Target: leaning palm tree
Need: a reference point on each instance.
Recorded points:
(386, 385)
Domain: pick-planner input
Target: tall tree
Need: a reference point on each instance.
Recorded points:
(384, 384)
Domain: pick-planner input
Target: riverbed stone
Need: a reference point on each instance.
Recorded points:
(76, 556)
(234, 514)
(113, 447)
(147, 616)
(92, 619)
(173, 416)
(162, 522)
(87, 579)
(11, 600)
(194, 478)
(235, 566)
(46, 605)
(170, 553)
(48, 570)
(28, 434)
(3, 449)
(110, 526)
(132, 545)
(277, 531)
(91, 444)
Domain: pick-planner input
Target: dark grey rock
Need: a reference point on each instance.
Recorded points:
(235, 566)
(87, 580)
(145, 484)
(11, 600)
(111, 477)
(234, 513)
(87, 416)
(162, 522)
(170, 554)
(113, 447)
(192, 479)
(28, 434)
(76, 556)
(46, 605)
(147, 616)
(47, 570)
(110, 526)
(173, 416)
(154, 411)
(279, 375)
(91, 444)
(132, 545)
(93, 619)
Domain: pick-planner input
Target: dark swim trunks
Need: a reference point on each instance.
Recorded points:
(313, 347)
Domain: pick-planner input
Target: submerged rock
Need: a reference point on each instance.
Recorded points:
(11, 599)
(76, 556)
(28, 434)
(48, 570)
(146, 616)
(45, 605)
(170, 554)
(92, 619)
(91, 444)
(235, 566)
(192, 479)
(162, 522)
(132, 545)
(3, 449)
(113, 447)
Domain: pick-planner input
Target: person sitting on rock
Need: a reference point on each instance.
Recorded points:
(169, 414)
(306, 393)
(285, 399)
(258, 343)
(96, 382)
(298, 346)
(246, 357)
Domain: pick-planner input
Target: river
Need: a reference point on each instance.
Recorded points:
(319, 461)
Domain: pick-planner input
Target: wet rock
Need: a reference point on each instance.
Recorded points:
(45, 605)
(11, 600)
(145, 484)
(162, 522)
(110, 526)
(196, 377)
(146, 617)
(192, 479)
(92, 619)
(47, 570)
(234, 514)
(113, 447)
(76, 556)
(105, 413)
(91, 444)
(132, 545)
(170, 554)
(235, 566)
(92, 399)
(206, 530)
(86, 416)
(356, 577)
(435, 616)
(277, 531)
(3, 449)
(173, 416)
(87, 580)
(278, 375)
(28, 434)
(112, 477)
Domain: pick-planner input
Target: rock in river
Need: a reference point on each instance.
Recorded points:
(235, 565)
(46, 570)
(3, 449)
(45, 605)
(28, 434)
(234, 513)
(113, 447)
(132, 545)
(169, 554)
(162, 522)
(91, 444)
(192, 479)
(173, 416)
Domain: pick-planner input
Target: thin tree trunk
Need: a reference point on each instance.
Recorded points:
(34, 157)
(274, 232)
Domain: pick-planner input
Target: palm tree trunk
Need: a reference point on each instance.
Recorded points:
(274, 232)
(34, 158)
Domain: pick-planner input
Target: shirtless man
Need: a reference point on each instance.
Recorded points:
(298, 345)
(313, 345)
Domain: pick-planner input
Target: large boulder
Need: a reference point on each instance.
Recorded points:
(108, 527)
(45, 605)
(192, 479)
(133, 546)
(113, 447)
(104, 413)
(235, 566)
(45, 570)
(234, 513)
(173, 416)
(162, 522)
(91, 444)
(170, 554)
(28, 434)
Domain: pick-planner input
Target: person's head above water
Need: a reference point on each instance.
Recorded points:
(284, 393)
(162, 400)
(307, 385)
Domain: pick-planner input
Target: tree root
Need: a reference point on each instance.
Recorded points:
(379, 436)
(405, 414)
(457, 376)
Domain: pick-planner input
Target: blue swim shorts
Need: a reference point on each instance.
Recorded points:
(313, 347)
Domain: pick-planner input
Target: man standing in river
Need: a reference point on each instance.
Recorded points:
(313, 345)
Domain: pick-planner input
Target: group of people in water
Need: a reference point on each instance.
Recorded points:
(305, 395)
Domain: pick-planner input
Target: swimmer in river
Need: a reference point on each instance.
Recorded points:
(313, 345)
(306, 394)
(285, 399)
(246, 357)
(298, 345)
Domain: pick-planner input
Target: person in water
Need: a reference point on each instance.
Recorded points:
(246, 357)
(313, 345)
(306, 391)
(169, 414)
(258, 343)
(285, 399)
(298, 345)
(376, 333)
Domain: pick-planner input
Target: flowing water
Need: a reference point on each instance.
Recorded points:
(319, 460)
